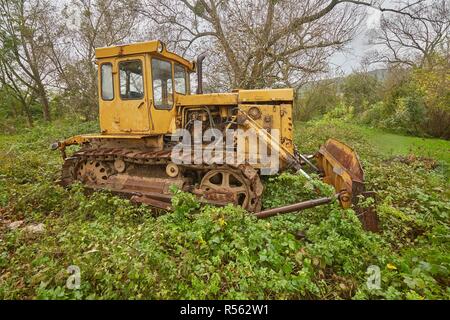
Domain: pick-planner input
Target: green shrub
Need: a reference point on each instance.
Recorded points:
(361, 90)
(315, 100)
(374, 115)
(126, 251)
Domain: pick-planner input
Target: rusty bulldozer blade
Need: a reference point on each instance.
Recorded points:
(340, 167)
(366, 213)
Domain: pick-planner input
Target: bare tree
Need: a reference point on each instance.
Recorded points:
(263, 43)
(23, 95)
(24, 47)
(90, 24)
(257, 43)
(414, 41)
(50, 48)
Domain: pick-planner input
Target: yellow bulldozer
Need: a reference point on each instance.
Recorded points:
(145, 101)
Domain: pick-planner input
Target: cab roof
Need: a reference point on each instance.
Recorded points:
(155, 48)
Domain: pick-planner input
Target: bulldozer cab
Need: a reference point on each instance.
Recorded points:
(138, 86)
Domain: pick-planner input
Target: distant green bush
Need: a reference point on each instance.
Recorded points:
(316, 100)
(361, 90)
(411, 101)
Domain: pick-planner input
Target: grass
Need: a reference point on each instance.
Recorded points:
(129, 252)
(391, 144)
(384, 144)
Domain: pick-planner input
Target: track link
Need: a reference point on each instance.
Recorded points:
(94, 167)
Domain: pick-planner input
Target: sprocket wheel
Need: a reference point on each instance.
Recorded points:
(92, 172)
(231, 185)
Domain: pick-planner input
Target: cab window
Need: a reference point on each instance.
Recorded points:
(180, 79)
(162, 84)
(131, 80)
(107, 82)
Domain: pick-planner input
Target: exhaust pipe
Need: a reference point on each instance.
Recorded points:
(199, 64)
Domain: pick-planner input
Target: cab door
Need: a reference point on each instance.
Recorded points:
(109, 119)
(163, 97)
(132, 107)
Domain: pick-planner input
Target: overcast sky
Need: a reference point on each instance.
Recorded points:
(350, 59)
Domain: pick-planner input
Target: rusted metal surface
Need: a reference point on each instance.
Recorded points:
(127, 155)
(133, 183)
(132, 154)
(152, 202)
(347, 157)
(157, 200)
(238, 186)
(226, 185)
(369, 218)
(199, 66)
(129, 171)
(220, 194)
(109, 168)
(92, 172)
(341, 168)
(294, 207)
(367, 215)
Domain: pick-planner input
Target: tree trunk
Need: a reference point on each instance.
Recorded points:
(45, 103)
(46, 108)
(26, 108)
(14, 111)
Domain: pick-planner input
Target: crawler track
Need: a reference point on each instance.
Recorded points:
(142, 176)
